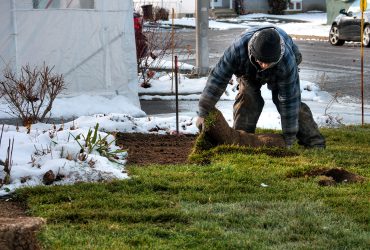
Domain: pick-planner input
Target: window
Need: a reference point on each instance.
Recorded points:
(216, 3)
(63, 4)
(294, 5)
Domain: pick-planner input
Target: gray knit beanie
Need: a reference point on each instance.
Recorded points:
(266, 46)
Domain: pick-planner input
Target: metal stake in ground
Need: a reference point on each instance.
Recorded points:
(172, 43)
(363, 6)
(177, 95)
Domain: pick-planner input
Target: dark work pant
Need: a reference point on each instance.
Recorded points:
(248, 107)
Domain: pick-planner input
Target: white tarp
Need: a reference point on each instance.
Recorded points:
(90, 42)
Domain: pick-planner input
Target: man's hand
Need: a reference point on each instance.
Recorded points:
(200, 123)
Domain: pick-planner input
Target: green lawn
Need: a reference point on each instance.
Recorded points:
(242, 199)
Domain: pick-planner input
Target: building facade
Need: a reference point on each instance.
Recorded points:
(262, 6)
(186, 8)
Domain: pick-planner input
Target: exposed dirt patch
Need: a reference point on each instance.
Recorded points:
(332, 176)
(11, 209)
(17, 230)
(144, 149)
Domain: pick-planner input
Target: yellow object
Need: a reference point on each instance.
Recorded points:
(363, 5)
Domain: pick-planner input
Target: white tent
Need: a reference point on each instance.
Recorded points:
(90, 42)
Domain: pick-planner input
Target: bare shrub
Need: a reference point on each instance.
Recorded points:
(322, 80)
(160, 44)
(30, 94)
(333, 120)
(7, 164)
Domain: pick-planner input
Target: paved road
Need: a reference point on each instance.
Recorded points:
(335, 69)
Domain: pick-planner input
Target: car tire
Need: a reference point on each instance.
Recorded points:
(334, 36)
(366, 39)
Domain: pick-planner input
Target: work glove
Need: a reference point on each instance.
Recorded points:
(200, 123)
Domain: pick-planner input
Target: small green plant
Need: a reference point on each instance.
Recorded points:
(94, 141)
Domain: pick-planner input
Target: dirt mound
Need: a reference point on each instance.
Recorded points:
(332, 176)
(17, 231)
(144, 149)
(10, 209)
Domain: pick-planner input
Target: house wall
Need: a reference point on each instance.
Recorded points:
(253, 6)
(308, 5)
(186, 7)
(181, 8)
(226, 3)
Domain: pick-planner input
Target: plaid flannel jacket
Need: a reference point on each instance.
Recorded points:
(282, 77)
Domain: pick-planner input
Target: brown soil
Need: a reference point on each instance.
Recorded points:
(11, 209)
(332, 176)
(145, 149)
(17, 230)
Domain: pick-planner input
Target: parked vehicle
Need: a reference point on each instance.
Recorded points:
(347, 26)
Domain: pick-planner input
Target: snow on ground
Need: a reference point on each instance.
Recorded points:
(58, 147)
(76, 106)
(308, 24)
(327, 110)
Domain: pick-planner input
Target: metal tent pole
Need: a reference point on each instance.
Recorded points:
(15, 36)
